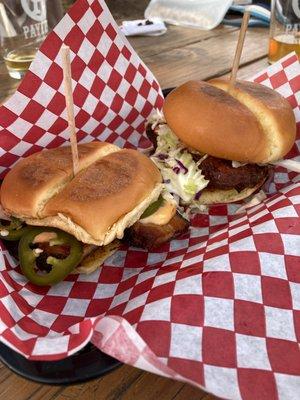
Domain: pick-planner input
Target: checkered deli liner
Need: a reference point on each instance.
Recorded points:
(219, 307)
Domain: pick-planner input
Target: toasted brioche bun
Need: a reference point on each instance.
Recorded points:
(212, 121)
(218, 196)
(104, 199)
(35, 179)
(110, 193)
(273, 112)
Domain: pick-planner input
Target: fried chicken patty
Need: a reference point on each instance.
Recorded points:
(222, 175)
(220, 172)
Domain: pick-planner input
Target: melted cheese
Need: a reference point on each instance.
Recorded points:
(44, 237)
(162, 216)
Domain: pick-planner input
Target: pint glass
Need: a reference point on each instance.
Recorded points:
(23, 26)
(284, 28)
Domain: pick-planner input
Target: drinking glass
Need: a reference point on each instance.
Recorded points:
(284, 29)
(24, 24)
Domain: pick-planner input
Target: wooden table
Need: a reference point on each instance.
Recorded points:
(179, 55)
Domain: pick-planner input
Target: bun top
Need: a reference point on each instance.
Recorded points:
(107, 190)
(110, 193)
(35, 179)
(273, 112)
(212, 121)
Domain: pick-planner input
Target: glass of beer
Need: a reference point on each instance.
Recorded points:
(284, 29)
(24, 24)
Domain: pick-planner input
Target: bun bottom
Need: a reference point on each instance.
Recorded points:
(116, 231)
(96, 258)
(219, 196)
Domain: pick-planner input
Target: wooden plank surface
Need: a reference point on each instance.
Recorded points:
(175, 37)
(206, 59)
(126, 383)
(249, 70)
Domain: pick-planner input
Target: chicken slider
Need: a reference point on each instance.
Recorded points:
(68, 223)
(214, 145)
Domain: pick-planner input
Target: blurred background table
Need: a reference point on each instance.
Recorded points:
(181, 54)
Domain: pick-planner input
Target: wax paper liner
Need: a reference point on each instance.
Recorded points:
(219, 307)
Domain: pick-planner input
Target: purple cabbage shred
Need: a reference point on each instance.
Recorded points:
(197, 195)
(182, 166)
(162, 156)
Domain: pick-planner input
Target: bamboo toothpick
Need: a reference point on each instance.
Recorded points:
(239, 49)
(66, 62)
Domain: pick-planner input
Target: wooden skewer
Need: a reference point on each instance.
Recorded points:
(66, 62)
(239, 49)
(288, 164)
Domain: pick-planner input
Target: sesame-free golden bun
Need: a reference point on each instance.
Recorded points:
(35, 179)
(96, 206)
(273, 112)
(251, 124)
(219, 196)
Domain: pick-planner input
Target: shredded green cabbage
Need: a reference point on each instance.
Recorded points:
(182, 175)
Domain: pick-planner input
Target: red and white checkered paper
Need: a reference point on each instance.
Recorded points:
(219, 307)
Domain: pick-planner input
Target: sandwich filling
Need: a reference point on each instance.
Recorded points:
(187, 172)
(67, 223)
